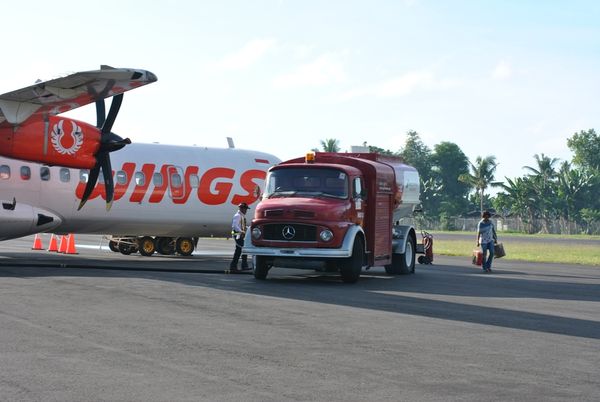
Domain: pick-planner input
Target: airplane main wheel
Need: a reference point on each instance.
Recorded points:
(113, 246)
(184, 246)
(146, 246)
(126, 249)
(165, 245)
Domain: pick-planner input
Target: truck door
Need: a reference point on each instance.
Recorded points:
(359, 200)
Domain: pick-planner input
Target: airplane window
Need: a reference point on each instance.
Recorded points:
(121, 177)
(157, 179)
(45, 173)
(4, 172)
(176, 180)
(194, 181)
(25, 173)
(84, 174)
(140, 178)
(65, 175)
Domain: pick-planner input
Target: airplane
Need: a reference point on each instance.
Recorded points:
(30, 129)
(165, 196)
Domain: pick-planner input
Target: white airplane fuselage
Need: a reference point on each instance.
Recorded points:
(160, 190)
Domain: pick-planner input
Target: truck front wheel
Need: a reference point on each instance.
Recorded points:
(351, 267)
(261, 267)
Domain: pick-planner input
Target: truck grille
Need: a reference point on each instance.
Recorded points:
(290, 232)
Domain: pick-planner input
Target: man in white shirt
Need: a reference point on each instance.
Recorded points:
(238, 231)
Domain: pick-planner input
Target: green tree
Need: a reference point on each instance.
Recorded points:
(586, 147)
(543, 182)
(449, 163)
(481, 176)
(518, 199)
(418, 155)
(330, 145)
(572, 186)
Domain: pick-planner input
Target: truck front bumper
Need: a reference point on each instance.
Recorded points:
(302, 252)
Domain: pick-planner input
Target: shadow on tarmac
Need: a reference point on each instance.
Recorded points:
(374, 290)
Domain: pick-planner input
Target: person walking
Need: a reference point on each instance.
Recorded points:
(486, 237)
(238, 231)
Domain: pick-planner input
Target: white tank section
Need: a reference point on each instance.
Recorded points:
(409, 189)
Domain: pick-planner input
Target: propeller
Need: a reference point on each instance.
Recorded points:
(109, 142)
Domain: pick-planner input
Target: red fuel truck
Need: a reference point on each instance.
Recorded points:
(336, 212)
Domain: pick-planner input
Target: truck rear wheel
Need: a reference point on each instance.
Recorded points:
(403, 264)
(351, 267)
(261, 267)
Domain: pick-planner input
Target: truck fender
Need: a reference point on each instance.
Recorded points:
(351, 234)
(400, 235)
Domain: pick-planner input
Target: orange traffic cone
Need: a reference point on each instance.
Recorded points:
(52, 246)
(63, 244)
(37, 243)
(71, 244)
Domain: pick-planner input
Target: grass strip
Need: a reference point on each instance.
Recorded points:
(518, 249)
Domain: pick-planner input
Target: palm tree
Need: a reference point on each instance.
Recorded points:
(543, 181)
(520, 199)
(330, 145)
(481, 175)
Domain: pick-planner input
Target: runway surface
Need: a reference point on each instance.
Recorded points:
(101, 326)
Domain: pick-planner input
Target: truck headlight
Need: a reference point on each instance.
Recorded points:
(256, 233)
(326, 235)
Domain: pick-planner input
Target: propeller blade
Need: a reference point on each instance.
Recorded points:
(100, 113)
(91, 183)
(112, 114)
(109, 184)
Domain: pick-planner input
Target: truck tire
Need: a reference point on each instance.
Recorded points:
(351, 267)
(261, 268)
(403, 264)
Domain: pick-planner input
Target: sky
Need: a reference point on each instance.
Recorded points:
(505, 78)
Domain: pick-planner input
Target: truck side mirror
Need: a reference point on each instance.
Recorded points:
(362, 194)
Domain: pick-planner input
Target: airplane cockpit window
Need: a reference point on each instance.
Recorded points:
(45, 173)
(140, 178)
(4, 172)
(176, 181)
(157, 179)
(121, 177)
(65, 175)
(25, 173)
(194, 181)
(84, 174)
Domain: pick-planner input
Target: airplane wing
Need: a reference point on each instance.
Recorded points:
(67, 93)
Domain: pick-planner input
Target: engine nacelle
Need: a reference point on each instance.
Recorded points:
(57, 141)
(18, 220)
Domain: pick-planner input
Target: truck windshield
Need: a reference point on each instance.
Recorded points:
(313, 182)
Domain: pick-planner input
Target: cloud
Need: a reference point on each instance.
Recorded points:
(502, 71)
(246, 56)
(400, 86)
(324, 70)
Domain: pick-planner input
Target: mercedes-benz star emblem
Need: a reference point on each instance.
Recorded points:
(288, 232)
